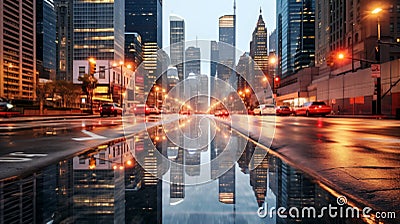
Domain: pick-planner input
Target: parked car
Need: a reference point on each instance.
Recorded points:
(313, 108)
(257, 110)
(110, 109)
(283, 110)
(264, 109)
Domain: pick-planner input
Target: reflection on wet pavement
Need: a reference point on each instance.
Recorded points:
(150, 178)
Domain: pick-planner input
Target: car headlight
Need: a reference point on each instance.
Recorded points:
(9, 106)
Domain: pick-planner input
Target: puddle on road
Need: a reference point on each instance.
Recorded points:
(159, 176)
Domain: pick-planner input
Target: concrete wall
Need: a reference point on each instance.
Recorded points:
(353, 92)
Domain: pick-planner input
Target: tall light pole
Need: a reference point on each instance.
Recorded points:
(378, 59)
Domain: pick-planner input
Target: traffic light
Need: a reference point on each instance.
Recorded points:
(92, 66)
(277, 81)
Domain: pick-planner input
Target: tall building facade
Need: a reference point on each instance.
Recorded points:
(64, 39)
(192, 61)
(295, 35)
(244, 69)
(133, 49)
(177, 44)
(145, 18)
(272, 41)
(226, 47)
(18, 49)
(350, 27)
(98, 30)
(46, 39)
(134, 57)
(259, 54)
(214, 57)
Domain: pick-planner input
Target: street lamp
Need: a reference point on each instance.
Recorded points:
(376, 11)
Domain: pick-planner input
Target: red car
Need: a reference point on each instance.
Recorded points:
(221, 113)
(110, 109)
(141, 109)
(283, 110)
(313, 108)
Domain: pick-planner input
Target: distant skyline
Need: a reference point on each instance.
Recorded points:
(201, 18)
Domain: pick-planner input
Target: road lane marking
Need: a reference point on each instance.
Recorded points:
(20, 157)
(92, 135)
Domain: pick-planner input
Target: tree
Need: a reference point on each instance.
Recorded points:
(43, 90)
(89, 83)
(68, 92)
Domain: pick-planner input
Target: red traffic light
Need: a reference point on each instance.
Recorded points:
(277, 79)
(340, 56)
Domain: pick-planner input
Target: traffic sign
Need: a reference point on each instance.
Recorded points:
(375, 70)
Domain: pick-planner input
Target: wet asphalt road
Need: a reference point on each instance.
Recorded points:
(357, 157)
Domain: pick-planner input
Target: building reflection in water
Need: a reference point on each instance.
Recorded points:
(108, 185)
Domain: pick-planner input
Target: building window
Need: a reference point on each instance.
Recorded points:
(81, 71)
(102, 158)
(102, 72)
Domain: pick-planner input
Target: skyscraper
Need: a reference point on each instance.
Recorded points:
(214, 57)
(46, 39)
(98, 30)
(295, 35)
(259, 54)
(177, 44)
(18, 49)
(192, 61)
(64, 37)
(226, 46)
(145, 18)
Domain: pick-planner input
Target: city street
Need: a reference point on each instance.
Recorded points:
(351, 157)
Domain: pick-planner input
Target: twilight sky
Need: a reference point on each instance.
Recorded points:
(201, 18)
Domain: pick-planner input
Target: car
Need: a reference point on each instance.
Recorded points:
(264, 109)
(313, 108)
(221, 113)
(141, 109)
(268, 109)
(257, 111)
(283, 110)
(185, 112)
(110, 109)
